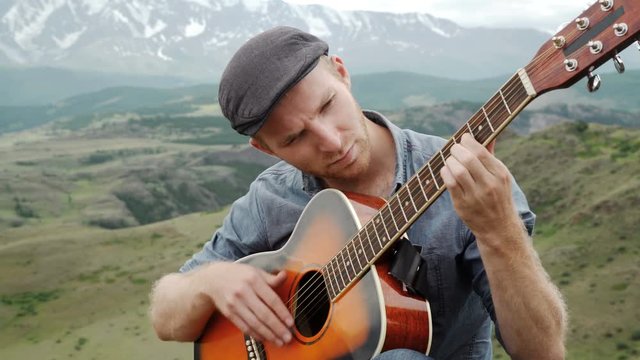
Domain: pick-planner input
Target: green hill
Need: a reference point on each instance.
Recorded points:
(42, 86)
(396, 90)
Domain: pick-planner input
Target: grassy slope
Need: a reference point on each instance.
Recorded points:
(82, 291)
(584, 184)
(100, 279)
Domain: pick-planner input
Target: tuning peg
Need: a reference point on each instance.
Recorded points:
(606, 5)
(559, 41)
(582, 23)
(593, 82)
(618, 63)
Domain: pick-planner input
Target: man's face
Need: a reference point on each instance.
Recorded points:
(318, 127)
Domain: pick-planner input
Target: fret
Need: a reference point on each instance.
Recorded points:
(392, 217)
(424, 193)
(401, 210)
(357, 251)
(375, 231)
(363, 248)
(444, 161)
(373, 250)
(384, 226)
(407, 202)
(385, 237)
(328, 280)
(505, 102)
(434, 178)
(342, 277)
(415, 208)
(416, 191)
(470, 131)
(519, 95)
(346, 264)
(336, 277)
(488, 120)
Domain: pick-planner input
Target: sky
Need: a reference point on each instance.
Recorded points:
(546, 15)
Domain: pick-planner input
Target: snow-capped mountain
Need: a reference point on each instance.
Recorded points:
(195, 38)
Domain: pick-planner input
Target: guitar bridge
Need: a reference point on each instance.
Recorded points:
(255, 349)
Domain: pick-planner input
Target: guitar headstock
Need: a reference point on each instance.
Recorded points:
(595, 36)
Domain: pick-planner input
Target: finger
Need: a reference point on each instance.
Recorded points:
(479, 152)
(460, 175)
(268, 318)
(456, 191)
(275, 280)
(273, 301)
(467, 159)
(242, 325)
(247, 313)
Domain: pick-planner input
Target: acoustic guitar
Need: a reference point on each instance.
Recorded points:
(344, 303)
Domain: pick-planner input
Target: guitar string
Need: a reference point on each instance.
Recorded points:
(502, 110)
(514, 87)
(511, 83)
(446, 149)
(314, 291)
(491, 111)
(535, 65)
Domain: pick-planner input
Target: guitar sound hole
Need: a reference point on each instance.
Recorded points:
(312, 304)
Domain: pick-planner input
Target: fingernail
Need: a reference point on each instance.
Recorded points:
(287, 337)
(279, 343)
(290, 322)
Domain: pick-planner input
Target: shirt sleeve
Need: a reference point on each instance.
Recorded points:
(242, 233)
(480, 282)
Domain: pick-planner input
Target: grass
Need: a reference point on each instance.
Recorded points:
(82, 290)
(99, 304)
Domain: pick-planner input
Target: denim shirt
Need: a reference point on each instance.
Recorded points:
(459, 294)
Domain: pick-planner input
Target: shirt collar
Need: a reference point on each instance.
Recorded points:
(312, 185)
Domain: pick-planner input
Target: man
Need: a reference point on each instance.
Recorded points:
(295, 103)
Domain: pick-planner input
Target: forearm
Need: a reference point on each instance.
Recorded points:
(179, 307)
(528, 306)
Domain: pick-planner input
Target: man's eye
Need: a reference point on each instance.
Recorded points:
(327, 105)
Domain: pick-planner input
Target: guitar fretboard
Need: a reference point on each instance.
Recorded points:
(414, 197)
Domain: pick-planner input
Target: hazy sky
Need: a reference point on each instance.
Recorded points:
(545, 15)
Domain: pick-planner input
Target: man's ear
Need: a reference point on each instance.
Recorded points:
(342, 69)
(257, 144)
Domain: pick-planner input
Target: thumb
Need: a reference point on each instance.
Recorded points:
(275, 280)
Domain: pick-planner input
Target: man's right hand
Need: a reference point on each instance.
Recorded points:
(244, 295)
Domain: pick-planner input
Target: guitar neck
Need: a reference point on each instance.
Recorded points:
(423, 189)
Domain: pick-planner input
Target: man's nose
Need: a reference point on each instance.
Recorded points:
(328, 138)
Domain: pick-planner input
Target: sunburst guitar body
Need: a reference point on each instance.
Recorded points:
(372, 314)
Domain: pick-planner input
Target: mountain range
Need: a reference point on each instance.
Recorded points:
(195, 38)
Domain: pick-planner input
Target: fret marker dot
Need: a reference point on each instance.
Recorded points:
(406, 203)
(480, 127)
(359, 251)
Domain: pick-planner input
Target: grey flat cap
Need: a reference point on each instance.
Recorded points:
(263, 70)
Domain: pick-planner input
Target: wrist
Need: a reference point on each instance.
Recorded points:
(505, 239)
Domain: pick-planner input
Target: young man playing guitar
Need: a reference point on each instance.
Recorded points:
(294, 101)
